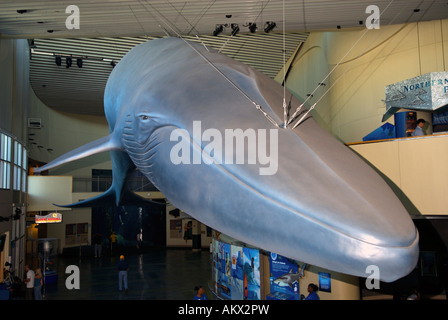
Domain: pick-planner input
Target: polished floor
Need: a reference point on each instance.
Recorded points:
(155, 274)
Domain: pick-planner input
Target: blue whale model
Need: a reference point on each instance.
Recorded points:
(210, 134)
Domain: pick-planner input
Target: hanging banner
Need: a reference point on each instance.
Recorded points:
(428, 92)
(53, 217)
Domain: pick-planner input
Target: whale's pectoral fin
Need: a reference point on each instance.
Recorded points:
(94, 147)
(109, 198)
(118, 193)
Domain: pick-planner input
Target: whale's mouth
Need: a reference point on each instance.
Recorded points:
(141, 149)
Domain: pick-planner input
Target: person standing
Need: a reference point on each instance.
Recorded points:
(29, 280)
(312, 290)
(140, 238)
(98, 241)
(123, 269)
(418, 131)
(200, 293)
(113, 241)
(38, 285)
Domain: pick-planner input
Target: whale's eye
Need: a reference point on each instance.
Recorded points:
(144, 116)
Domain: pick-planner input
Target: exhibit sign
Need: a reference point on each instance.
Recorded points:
(236, 271)
(284, 278)
(324, 282)
(225, 266)
(428, 92)
(251, 271)
(54, 217)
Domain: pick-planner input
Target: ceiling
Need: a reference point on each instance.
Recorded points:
(108, 29)
(189, 17)
(80, 90)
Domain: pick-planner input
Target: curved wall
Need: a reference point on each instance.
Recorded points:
(364, 63)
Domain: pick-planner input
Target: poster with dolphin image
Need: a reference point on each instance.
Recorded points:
(284, 278)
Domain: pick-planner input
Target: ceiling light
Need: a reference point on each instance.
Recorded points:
(252, 27)
(22, 11)
(58, 60)
(68, 62)
(219, 28)
(235, 29)
(269, 26)
(79, 62)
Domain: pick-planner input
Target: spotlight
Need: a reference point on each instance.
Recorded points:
(113, 64)
(79, 62)
(235, 29)
(218, 30)
(58, 61)
(68, 62)
(269, 26)
(252, 27)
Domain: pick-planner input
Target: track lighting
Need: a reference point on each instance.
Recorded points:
(79, 62)
(235, 29)
(269, 26)
(219, 28)
(252, 27)
(68, 62)
(58, 60)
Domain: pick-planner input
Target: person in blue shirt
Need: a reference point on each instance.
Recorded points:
(312, 290)
(200, 293)
(418, 131)
(123, 269)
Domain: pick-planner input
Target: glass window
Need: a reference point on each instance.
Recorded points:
(17, 178)
(5, 175)
(24, 180)
(25, 159)
(17, 153)
(5, 147)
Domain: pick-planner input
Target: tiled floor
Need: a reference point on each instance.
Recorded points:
(155, 274)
